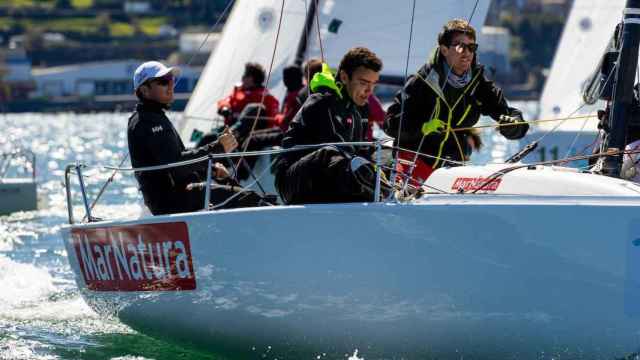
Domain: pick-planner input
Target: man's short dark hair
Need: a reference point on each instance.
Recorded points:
(312, 67)
(256, 72)
(292, 77)
(359, 56)
(453, 28)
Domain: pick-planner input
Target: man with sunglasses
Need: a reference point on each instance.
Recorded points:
(154, 141)
(449, 92)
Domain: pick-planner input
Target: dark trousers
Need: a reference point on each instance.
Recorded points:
(193, 200)
(323, 176)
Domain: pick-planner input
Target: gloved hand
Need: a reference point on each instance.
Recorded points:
(513, 132)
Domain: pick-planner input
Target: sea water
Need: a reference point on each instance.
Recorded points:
(42, 315)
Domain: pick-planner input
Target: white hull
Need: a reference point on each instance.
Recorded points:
(17, 195)
(451, 276)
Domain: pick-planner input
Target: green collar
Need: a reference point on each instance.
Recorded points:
(325, 79)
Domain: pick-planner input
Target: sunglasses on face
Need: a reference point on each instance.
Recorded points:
(162, 81)
(460, 47)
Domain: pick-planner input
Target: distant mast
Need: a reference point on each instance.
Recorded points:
(623, 88)
(308, 30)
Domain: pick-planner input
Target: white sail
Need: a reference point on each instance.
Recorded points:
(585, 37)
(384, 26)
(249, 35)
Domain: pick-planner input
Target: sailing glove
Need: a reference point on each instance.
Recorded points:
(513, 132)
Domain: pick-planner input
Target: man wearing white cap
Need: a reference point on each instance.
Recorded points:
(154, 141)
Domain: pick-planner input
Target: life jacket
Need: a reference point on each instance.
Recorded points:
(241, 97)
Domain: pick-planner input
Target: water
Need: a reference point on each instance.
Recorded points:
(42, 315)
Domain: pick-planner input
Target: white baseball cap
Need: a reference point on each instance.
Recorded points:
(152, 70)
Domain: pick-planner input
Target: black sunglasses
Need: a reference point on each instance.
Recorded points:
(472, 47)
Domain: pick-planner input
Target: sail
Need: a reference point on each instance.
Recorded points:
(586, 35)
(384, 26)
(381, 25)
(249, 35)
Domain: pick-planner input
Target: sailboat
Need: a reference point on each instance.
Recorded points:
(17, 191)
(511, 260)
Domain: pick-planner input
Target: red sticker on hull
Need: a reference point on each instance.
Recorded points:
(472, 184)
(149, 257)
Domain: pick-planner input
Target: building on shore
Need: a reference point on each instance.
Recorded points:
(96, 86)
(99, 78)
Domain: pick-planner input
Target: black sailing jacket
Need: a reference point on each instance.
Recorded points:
(154, 141)
(325, 117)
(428, 96)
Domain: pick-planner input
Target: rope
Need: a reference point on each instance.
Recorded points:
(175, 84)
(264, 93)
(319, 35)
(406, 73)
(244, 189)
(504, 171)
(233, 155)
(215, 25)
(524, 122)
(415, 158)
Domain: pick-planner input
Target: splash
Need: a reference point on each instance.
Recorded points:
(27, 283)
(355, 356)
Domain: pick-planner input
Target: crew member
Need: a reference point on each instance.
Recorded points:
(331, 115)
(449, 92)
(154, 141)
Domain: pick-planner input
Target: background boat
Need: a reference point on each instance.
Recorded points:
(18, 182)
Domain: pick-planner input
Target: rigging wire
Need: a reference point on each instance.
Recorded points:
(406, 72)
(104, 186)
(579, 134)
(319, 34)
(415, 158)
(584, 103)
(264, 93)
(498, 174)
(211, 29)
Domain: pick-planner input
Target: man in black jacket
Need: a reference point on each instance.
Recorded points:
(154, 141)
(447, 93)
(331, 115)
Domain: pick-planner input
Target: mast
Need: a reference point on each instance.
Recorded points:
(308, 28)
(623, 88)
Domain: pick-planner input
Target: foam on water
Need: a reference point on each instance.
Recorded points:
(27, 284)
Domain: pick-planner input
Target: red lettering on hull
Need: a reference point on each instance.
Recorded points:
(472, 184)
(149, 257)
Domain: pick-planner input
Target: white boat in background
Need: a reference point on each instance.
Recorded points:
(17, 193)
(496, 261)
(585, 38)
